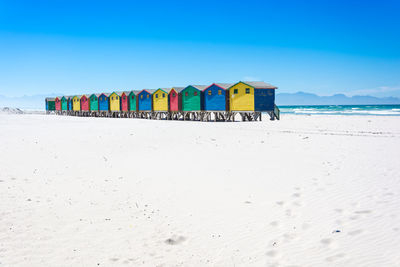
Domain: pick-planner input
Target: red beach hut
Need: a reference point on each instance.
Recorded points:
(58, 103)
(124, 100)
(84, 103)
(174, 98)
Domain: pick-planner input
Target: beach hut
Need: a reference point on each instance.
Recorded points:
(160, 99)
(64, 103)
(144, 100)
(191, 97)
(94, 102)
(50, 104)
(76, 103)
(252, 96)
(57, 103)
(103, 102)
(124, 103)
(114, 99)
(132, 103)
(215, 97)
(84, 103)
(69, 98)
(174, 99)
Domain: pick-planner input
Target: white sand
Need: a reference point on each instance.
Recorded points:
(129, 192)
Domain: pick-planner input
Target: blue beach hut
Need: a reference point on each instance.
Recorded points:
(69, 98)
(104, 102)
(215, 97)
(145, 100)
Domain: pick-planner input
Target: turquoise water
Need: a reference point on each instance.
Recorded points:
(377, 110)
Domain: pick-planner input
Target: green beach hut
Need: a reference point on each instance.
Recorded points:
(132, 101)
(94, 102)
(191, 97)
(64, 103)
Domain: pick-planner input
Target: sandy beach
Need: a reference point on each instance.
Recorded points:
(302, 191)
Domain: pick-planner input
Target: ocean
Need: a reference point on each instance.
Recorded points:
(377, 110)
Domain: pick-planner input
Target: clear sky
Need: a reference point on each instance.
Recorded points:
(323, 47)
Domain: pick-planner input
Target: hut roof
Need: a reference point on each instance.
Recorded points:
(166, 90)
(198, 87)
(95, 95)
(50, 99)
(135, 92)
(177, 89)
(222, 85)
(106, 94)
(150, 91)
(260, 85)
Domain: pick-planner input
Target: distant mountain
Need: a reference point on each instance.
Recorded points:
(36, 102)
(301, 98)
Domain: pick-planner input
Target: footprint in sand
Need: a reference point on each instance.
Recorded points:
(363, 211)
(335, 257)
(326, 241)
(356, 232)
(296, 195)
(297, 204)
(289, 237)
(305, 226)
(338, 210)
(274, 223)
(272, 253)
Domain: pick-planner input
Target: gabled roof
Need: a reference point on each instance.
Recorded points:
(118, 93)
(135, 92)
(95, 95)
(150, 91)
(78, 96)
(221, 85)
(260, 85)
(177, 89)
(165, 90)
(198, 87)
(106, 94)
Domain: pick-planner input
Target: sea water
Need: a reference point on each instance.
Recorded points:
(377, 110)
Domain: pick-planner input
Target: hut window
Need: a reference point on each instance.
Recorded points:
(156, 96)
(235, 91)
(220, 92)
(195, 93)
(117, 97)
(163, 95)
(247, 90)
(173, 94)
(124, 97)
(133, 97)
(148, 96)
(141, 97)
(209, 92)
(112, 98)
(186, 94)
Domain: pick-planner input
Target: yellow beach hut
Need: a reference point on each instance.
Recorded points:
(160, 99)
(252, 96)
(115, 104)
(76, 103)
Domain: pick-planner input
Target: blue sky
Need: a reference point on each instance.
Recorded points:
(68, 47)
